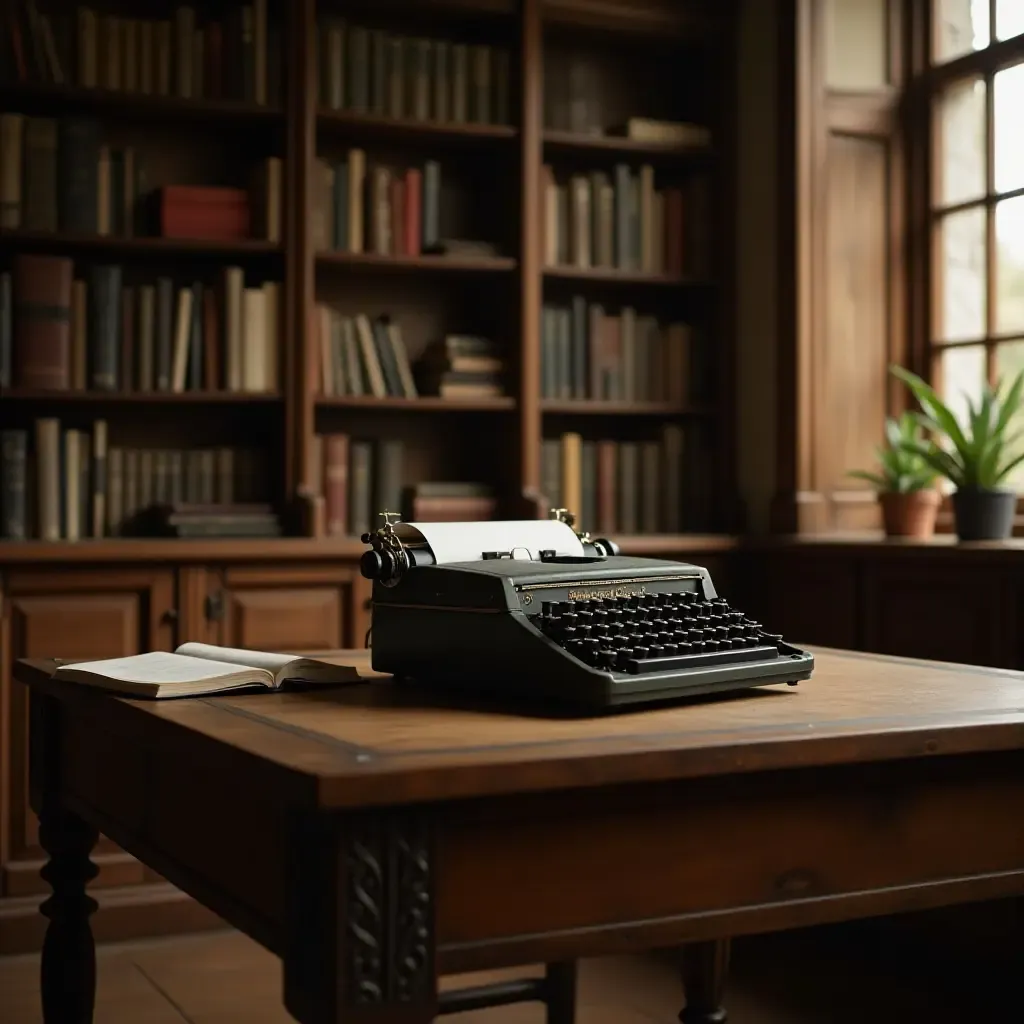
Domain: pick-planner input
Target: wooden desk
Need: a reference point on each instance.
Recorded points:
(373, 838)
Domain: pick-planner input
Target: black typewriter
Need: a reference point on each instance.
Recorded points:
(573, 623)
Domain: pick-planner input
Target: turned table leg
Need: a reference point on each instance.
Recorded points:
(561, 992)
(705, 967)
(68, 972)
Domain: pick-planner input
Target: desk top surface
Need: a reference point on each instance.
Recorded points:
(381, 743)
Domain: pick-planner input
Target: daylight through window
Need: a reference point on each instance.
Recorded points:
(977, 199)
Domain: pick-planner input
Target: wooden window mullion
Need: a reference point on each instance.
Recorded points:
(990, 217)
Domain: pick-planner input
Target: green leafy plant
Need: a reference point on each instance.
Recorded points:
(981, 452)
(901, 469)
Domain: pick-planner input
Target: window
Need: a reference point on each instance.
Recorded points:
(977, 196)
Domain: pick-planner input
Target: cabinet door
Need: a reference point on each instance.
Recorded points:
(943, 612)
(67, 614)
(295, 607)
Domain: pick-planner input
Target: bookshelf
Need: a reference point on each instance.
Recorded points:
(460, 170)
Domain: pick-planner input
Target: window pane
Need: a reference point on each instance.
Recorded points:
(1010, 266)
(857, 55)
(960, 135)
(1009, 362)
(1009, 18)
(1008, 102)
(960, 26)
(959, 376)
(961, 276)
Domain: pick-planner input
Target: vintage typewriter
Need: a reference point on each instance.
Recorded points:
(534, 609)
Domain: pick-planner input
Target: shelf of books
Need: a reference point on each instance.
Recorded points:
(417, 259)
(629, 334)
(141, 281)
(152, 279)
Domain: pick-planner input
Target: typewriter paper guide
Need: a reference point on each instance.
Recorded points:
(466, 542)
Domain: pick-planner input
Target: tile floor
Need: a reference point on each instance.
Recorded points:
(221, 977)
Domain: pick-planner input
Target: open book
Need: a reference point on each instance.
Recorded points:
(197, 669)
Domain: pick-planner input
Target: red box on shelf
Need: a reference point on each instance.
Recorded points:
(193, 211)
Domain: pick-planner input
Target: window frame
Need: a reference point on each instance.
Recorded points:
(929, 78)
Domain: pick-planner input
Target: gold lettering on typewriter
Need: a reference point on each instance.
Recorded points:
(602, 593)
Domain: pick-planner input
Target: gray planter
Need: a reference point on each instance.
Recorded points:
(984, 515)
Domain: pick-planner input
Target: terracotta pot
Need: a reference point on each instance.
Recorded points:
(910, 515)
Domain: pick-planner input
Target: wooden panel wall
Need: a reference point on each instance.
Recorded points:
(840, 318)
(849, 373)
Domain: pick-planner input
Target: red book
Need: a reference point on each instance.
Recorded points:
(397, 200)
(413, 211)
(606, 486)
(336, 483)
(674, 242)
(188, 211)
(42, 322)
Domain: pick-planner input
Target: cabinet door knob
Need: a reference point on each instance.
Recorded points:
(170, 615)
(215, 606)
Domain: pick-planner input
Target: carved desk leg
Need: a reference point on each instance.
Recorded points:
(705, 967)
(68, 973)
(360, 940)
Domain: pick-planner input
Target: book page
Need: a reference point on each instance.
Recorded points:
(466, 542)
(237, 657)
(156, 667)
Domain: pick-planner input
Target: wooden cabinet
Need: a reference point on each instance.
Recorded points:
(92, 610)
(291, 607)
(85, 614)
(932, 601)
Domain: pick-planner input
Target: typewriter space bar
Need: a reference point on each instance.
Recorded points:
(681, 662)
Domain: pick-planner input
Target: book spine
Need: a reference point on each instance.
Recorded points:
(360, 459)
(13, 486)
(42, 322)
(164, 332)
(6, 338)
(78, 176)
(39, 181)
(336, 483)
(105, 293)
(431, 209)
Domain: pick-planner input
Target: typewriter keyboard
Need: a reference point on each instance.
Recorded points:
(655, 633)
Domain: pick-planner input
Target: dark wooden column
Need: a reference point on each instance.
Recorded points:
(299, 297)
(531, 81)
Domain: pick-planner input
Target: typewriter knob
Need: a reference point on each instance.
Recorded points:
(371, 565)
(605, 546)
(377, 565)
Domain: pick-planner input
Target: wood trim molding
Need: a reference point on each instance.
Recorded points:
(300, 144)
(531, 115)
(862, 113)
(132, 912)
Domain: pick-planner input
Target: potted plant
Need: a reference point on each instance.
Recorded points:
(979, 457)
(905, 481)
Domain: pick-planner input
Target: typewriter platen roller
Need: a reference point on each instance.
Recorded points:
(534, 609)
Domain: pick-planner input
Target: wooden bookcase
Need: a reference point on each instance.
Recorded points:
(575, 70)
(572, 72)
